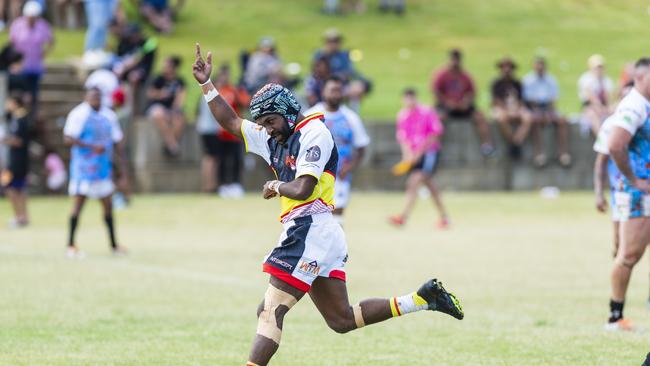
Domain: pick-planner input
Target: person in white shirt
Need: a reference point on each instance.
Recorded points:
(594, 90)
(349, 135)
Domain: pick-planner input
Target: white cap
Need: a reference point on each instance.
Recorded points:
(595, 61)
(32, 8)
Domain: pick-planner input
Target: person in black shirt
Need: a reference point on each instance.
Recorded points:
(508, 108)
(14, 178)
(166, 97)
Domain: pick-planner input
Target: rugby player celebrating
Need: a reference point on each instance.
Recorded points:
(311, 254)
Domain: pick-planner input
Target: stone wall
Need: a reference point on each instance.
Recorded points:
(461, 166)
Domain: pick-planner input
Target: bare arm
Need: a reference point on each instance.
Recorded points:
(600, 168)
(299, 189)
(12, 141)
(618, 143)
(220, 109)
(71, 141)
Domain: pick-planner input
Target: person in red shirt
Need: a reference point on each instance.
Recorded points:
(455, 95)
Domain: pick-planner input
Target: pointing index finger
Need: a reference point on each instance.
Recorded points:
(198, 51)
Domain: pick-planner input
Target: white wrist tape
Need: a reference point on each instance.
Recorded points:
(209, 96)
(276, 186)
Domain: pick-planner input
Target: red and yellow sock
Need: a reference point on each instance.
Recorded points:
(407, 304)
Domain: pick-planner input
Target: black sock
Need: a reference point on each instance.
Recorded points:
(111, 230)
(73, 229)
(615, 311)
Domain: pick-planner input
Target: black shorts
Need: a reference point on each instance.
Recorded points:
(457, 113)
(210, 144)
(427, 164)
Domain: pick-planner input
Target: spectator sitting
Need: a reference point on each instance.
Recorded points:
(455, 95)
(340, 65)
(314, 83)
(397, 6)
(540, 94)
(166, 98)
(102, 78)
(14, 178)
(160, 14)
(135, 57)
(222, 150)
(594, 90)
(31, 35)
(508, 107)
(262, 65)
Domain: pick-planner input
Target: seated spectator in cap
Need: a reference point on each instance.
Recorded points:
(508, 108)
(340, 65)
(262, 65)
(31, 35)
(160, 14)
(595, 90)
(540, 95)
(455, 97)
(314, 83)
(166, 98)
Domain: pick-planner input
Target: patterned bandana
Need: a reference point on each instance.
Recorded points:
(274, 98)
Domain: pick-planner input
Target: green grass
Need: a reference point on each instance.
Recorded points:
(567, 31)
(533, 276)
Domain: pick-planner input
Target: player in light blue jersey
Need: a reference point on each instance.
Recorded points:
(629, 147)
(349, 135)
(94, 135)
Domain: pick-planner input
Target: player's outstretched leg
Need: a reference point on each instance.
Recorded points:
(331, 298)
(278, 300)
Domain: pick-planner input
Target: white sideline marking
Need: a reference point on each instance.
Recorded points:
(146, 268)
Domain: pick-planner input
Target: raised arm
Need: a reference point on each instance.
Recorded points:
(220, 109)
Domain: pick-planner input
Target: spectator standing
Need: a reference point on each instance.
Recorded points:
(31, 36)
(14, 178)
(508, 107)
(455, 97)
(314, 83)
(166, 98)
(594, 90)
(99, 14)
(223, 151)
(340, 65)
(160, 14)
(418, 133)
(540, 95)
(262, 65)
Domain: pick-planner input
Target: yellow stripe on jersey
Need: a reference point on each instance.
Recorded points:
(324, 191)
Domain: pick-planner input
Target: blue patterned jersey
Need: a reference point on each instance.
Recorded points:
(93, 128)
(633, 115)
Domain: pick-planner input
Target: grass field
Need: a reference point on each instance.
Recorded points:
(532, 275)
(400, 52)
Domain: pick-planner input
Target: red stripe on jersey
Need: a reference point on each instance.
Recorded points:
(308, 119)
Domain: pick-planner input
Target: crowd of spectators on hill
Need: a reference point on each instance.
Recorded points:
(521, 107)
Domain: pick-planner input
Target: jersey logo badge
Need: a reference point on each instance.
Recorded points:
(313, 154)
(290, 161)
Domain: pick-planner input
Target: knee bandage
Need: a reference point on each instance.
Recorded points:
(358, 316)
(276, 304)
